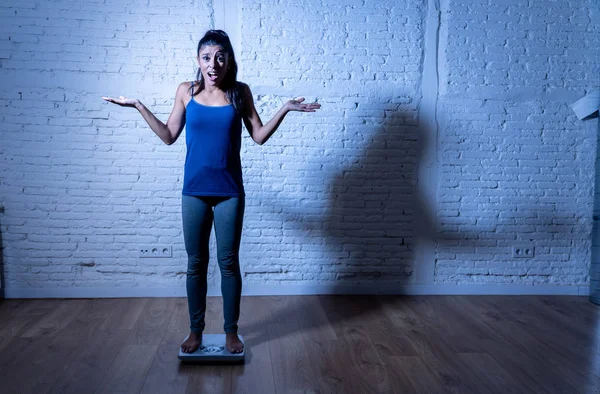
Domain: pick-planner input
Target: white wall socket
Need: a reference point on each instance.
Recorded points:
(146, 251)
(523, 251)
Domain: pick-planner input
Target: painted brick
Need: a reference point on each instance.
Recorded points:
(333, 196)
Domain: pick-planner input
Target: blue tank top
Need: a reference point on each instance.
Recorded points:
(212, 162)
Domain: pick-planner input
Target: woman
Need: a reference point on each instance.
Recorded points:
(213, 108)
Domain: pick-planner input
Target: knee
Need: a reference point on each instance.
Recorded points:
(197, 265)
(228, 256)
(230, 265)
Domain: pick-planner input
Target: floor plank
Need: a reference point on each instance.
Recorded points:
(128, 371)
(88, 365)
(256, 374)
(292, 371)
(306, 344)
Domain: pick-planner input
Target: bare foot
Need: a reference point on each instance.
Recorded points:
(192, 343)
(233, 343)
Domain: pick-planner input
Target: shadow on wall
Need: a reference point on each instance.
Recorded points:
(374, 218)
(375, 214)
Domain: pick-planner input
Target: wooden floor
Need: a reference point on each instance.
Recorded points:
(307, 344)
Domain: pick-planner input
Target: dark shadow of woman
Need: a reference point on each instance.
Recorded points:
(375, 214)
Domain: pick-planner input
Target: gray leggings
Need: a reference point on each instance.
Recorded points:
(198, 215)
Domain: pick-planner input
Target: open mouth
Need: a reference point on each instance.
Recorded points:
(212, 75)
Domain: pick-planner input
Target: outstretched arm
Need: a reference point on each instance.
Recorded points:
(261, 133)
(168, 132)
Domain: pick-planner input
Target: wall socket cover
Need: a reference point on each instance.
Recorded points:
(148, 251)
(523, 251)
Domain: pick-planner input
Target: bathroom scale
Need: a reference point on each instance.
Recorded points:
(212, 350)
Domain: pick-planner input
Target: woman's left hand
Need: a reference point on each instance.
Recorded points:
(296, 105)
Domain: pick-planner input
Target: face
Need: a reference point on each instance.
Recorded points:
(214, 62)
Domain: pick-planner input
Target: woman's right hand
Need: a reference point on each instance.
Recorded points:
(122, 101)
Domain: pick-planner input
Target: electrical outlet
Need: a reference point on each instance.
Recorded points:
(526, 251)
(147, 251)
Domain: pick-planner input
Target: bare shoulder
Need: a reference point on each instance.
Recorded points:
(183, 91)
(244, 88)
(184, 87)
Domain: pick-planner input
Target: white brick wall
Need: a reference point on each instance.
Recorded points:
(336, 187)
(515, 164)
(85, 182)
(334, 197)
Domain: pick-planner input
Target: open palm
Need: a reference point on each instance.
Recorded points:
(122, 101)
(296, 105)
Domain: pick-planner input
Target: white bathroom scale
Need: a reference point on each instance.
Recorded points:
(213, 350)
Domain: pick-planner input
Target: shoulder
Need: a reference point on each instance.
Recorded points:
(243, 88)
(241, 85)
(183, 91)
(184, 87)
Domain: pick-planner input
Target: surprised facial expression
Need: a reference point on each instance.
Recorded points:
(214, 62)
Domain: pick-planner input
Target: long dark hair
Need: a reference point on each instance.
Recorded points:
(230, 85)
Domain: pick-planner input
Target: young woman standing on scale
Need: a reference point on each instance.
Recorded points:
(213, 108)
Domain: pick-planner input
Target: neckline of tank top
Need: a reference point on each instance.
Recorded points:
(209, 106)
